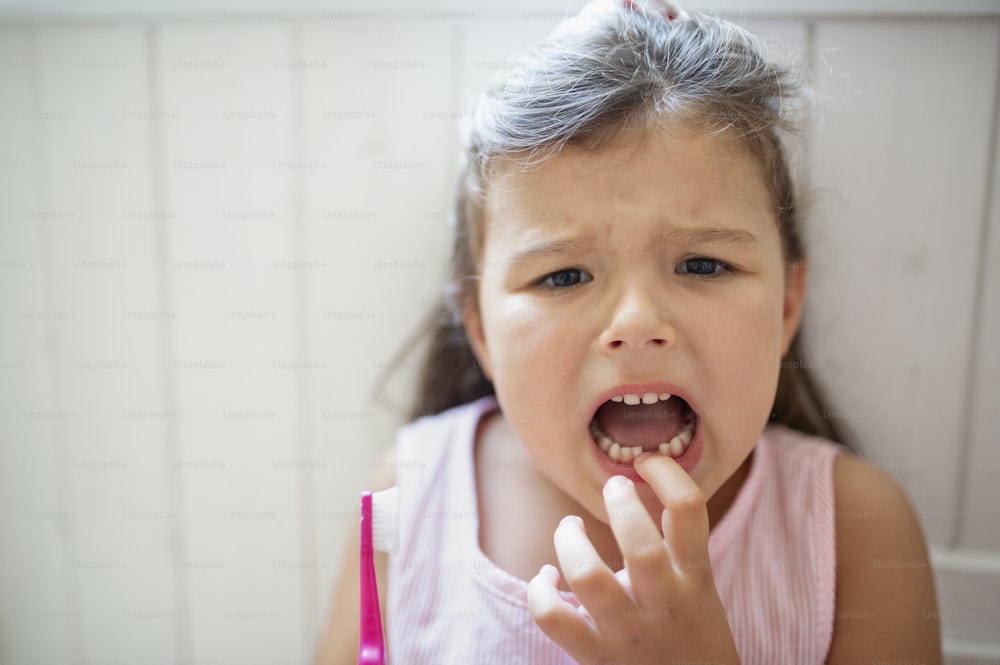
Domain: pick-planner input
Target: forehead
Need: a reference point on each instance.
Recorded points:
(675, 175)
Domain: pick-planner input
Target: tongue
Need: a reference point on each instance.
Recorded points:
(646, 425)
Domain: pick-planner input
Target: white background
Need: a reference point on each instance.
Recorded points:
(218, 226)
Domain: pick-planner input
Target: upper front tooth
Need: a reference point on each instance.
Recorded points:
(646, 398)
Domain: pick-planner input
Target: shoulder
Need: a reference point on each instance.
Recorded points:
(885, 600)
(872, 513)
(859, 483)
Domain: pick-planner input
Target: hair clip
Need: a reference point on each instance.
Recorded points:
(665, 8)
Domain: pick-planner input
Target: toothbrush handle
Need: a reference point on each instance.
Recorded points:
(371, 648)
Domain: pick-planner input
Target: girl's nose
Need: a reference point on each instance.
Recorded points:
(639, 321)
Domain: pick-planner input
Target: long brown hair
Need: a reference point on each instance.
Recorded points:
(596, 74)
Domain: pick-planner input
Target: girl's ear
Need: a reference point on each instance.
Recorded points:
(477, 338)
(795, 294)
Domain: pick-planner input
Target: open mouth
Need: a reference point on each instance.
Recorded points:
(628, 425)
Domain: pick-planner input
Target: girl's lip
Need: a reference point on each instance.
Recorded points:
(688, 460)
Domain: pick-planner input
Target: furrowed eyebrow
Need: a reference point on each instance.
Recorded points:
(700, 235)
(553, 248)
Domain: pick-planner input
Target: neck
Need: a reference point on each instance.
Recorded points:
(723, 498)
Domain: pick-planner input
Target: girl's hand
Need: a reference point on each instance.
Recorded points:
(672, 613)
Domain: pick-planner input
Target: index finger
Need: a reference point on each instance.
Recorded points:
(685, 513)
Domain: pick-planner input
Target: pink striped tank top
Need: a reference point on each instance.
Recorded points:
(772, 554)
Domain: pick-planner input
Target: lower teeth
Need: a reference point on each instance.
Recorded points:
(619, 453)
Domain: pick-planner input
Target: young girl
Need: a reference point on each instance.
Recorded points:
(623, 465)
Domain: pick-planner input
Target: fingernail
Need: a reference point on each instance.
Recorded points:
(571, 520)
(616, 484)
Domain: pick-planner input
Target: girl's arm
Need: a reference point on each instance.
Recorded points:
(886, 607)
(338, 645)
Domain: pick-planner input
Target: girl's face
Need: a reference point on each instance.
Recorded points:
(654, 265)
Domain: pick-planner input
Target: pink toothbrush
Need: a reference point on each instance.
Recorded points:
(379, 531)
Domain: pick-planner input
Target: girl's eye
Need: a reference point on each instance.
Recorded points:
(703, 267)
(564, 279)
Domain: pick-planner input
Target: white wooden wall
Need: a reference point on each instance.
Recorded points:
(215, 232)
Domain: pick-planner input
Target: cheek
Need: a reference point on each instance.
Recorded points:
(537, 358)
(743, 352)
(526, 338)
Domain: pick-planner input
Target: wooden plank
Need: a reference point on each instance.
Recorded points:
(105, 360)
(378, 113)
(979, 512)
(897, 162)
(963, 652)
(490, 48)
(384, 9)
(228, 169)
(38, 613)
(787, 43)
(786, 40)
(968, 585)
